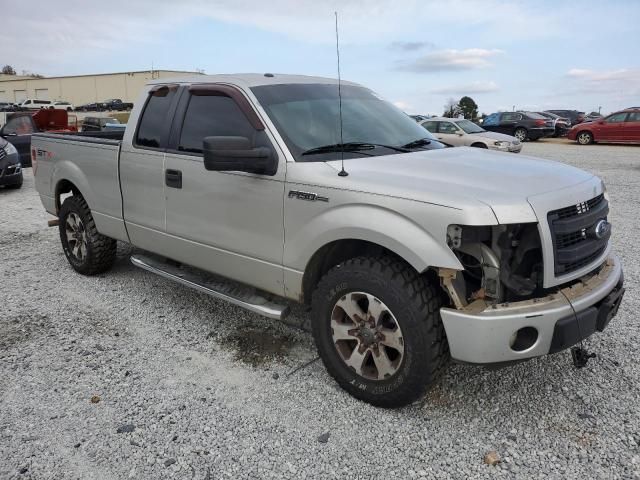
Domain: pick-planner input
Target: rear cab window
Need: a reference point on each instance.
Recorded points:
(153, 126)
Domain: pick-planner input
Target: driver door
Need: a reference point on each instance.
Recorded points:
(230, 223)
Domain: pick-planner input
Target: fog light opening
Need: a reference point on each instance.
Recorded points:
(523, 339)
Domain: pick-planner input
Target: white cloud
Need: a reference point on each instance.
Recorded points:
(468, 89)
(98, 28)
(451, 60)
(622, 83)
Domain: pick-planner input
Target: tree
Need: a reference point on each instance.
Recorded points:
(8, 70)
(469, 108)
(451, 109)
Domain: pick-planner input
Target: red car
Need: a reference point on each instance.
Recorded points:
(619, 127)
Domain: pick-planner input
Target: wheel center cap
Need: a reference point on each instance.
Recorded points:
(367, 336)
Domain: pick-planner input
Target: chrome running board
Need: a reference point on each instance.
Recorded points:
(223, 289)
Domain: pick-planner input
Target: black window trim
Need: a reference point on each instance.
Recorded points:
(213, 89)
(165, 136)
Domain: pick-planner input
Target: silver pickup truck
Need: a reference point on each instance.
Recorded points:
(410, 255)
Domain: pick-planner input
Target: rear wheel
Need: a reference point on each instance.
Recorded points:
(584, 138)
(520, 133)
(87, 251)
(377, 327)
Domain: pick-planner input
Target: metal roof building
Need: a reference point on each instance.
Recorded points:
(80, 89)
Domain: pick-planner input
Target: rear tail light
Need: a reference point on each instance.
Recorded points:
(541, 123)
(34, 161)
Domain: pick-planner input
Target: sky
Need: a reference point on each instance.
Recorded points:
(528, 55)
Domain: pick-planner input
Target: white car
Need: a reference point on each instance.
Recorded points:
(62, 105)
(33, 104)
(464, 133)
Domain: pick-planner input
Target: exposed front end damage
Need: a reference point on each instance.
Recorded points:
(500, 310)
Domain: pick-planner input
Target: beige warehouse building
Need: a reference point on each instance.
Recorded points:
(80, 89)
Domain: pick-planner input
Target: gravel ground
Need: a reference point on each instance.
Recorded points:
(126, 375)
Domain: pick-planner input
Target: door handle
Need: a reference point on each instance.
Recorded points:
(173, 178)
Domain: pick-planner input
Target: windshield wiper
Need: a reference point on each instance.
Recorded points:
(417, 143)
(350, 147)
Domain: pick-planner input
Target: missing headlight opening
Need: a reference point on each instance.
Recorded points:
(501, 263)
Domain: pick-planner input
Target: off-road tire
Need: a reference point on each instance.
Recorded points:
(416, 307)
(101, 250)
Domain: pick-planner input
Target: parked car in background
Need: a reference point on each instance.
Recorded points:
(33, 104)
(7, 107)
(62, 105)
(115, 104)
(90, 107)
(10, 166)
(97, 124)
(619, 127)
(560, 124)
(522, 125)
(574, 116)
(465, 133)
(21, 125)
(419, 118)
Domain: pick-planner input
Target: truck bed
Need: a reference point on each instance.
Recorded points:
(90, 161)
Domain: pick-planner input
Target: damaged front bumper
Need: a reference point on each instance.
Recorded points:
(509, 332)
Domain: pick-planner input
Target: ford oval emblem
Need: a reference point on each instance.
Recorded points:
(602, 228)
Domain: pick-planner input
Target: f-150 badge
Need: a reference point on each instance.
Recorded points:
(308, 196)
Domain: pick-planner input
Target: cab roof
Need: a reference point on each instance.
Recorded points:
(249, 80)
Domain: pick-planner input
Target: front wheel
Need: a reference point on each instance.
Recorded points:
(584, 138)
(520, 133)
(88, 251)
(377, 328)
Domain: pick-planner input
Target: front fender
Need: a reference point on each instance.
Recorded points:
(372, 223)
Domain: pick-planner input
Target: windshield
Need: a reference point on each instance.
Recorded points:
(470, 127)
(307, 117)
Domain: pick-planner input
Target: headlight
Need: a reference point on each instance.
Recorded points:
(10, 149)
(501, 144)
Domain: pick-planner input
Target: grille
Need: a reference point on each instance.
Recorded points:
(575, 243)
(579, 208)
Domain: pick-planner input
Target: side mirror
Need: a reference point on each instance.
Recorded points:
(460, 133)
(235, 154)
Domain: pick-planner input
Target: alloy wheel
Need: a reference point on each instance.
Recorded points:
(76, 236)
(367, 336)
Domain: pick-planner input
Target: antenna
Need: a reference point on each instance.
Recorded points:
(342, 172)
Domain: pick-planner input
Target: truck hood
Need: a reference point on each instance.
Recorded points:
(463, 177)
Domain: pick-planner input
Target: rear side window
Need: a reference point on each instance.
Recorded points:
(633, 117)
(212, 115)
(154, 119)
(431, 126)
